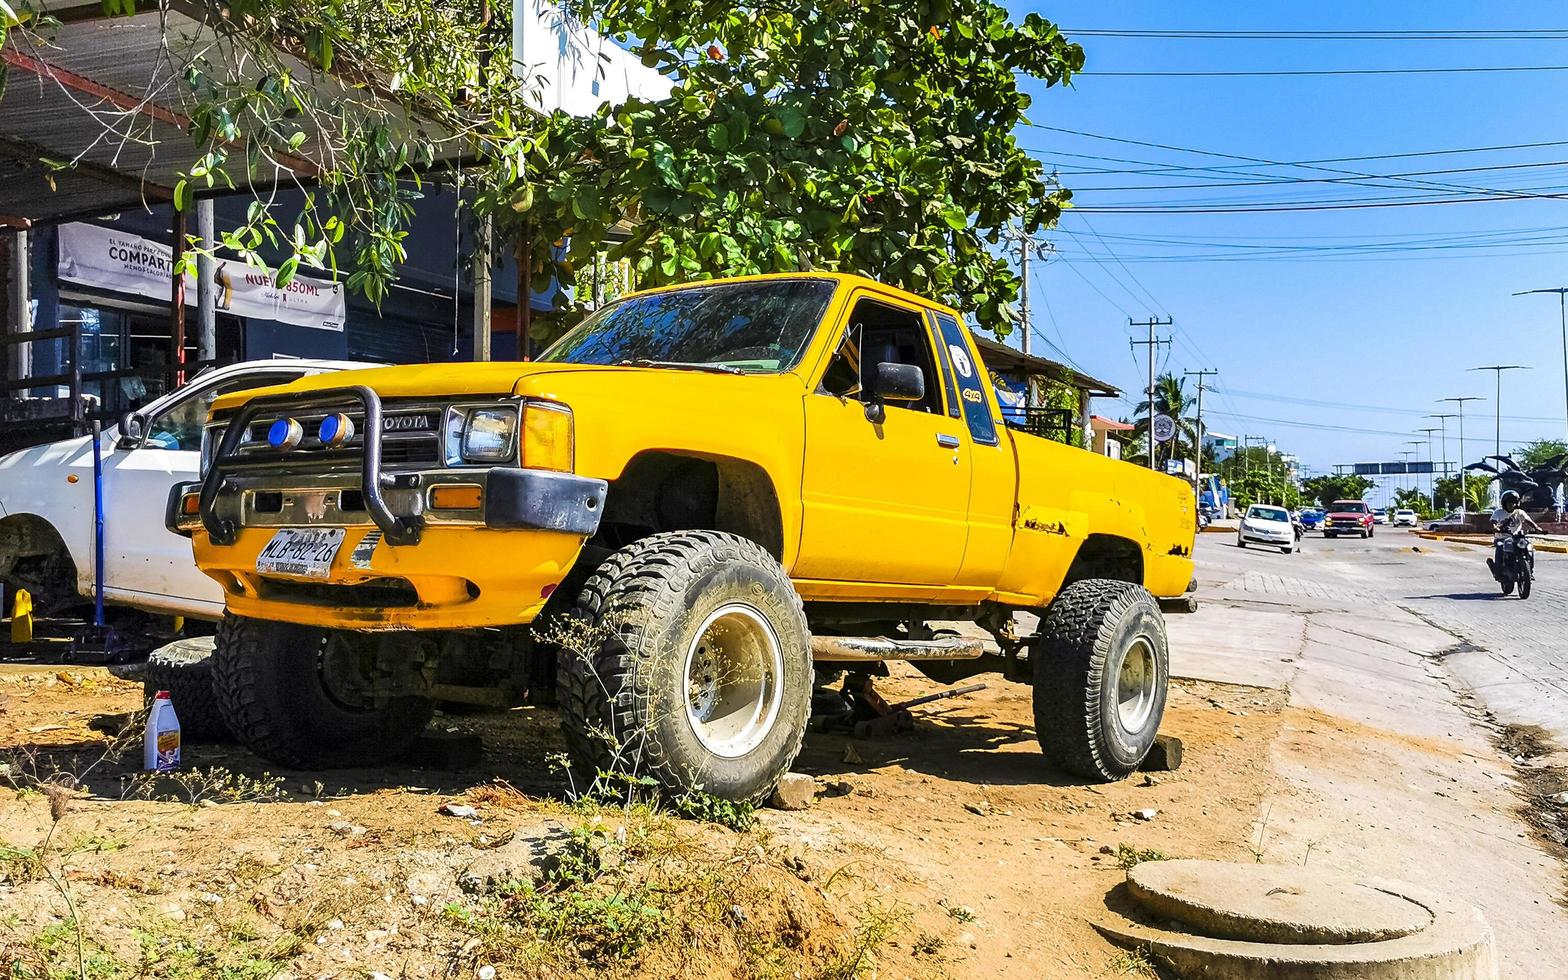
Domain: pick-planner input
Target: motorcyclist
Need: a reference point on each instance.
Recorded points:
(1507, 521)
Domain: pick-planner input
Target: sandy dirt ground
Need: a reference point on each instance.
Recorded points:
(948, 851)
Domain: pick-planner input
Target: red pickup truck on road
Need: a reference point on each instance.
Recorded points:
(1349, 517)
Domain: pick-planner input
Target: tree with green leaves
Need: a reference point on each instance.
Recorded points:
(1540, 452)
(1415, 499)
(1170, 398)
(1476, 490)
(874, 138)
(1328, 488)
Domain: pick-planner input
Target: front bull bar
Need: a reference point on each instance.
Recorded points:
(395, 529)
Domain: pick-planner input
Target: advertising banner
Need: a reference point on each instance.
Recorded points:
(121, 262)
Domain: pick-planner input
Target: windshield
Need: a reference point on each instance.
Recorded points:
(1350, 507)
(745, 326)
(1267, 514)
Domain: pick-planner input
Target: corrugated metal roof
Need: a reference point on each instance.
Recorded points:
(95, 119)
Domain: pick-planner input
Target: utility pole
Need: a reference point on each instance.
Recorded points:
(1197, 448)
(1460, 401)
(1028, 247)
(1152, 343)
(1562, 312)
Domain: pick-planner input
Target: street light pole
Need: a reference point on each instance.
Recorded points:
(1562, 313)
(1498, 370)
(1431, 477)
(1460, 401)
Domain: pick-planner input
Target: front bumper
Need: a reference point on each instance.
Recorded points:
(456, 578)
(492, 558)
(1278, 541)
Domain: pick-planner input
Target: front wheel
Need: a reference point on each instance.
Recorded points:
(1524, 580)
(698, 672)
(1101, 669)
(284, 691)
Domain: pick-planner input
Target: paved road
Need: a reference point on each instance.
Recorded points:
(1384, 651)
(1512, 653)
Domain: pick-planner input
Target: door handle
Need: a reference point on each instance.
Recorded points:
(946, 441)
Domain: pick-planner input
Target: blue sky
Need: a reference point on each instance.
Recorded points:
(1393, 330)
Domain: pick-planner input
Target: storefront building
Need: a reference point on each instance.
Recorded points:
(112, 277)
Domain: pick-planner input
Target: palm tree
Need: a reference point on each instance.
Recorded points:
(1170, 398)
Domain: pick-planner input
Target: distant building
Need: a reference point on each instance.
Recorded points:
(1223, 446)
(1108, 435)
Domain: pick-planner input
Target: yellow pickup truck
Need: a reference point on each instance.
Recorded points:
(692, 504)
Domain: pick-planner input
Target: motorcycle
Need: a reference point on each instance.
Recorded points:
(1516, 567)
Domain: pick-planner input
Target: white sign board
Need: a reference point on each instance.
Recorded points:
(121, 262)
(1164, 428)
(563, 64)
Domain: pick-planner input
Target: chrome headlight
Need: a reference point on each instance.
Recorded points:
(490, 434)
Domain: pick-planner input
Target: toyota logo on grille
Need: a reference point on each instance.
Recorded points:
(406, 423)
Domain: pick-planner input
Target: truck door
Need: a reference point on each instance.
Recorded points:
(993, 479)
(882, 501)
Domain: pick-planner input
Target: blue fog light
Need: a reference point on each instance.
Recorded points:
(285, 434)
(336, 430)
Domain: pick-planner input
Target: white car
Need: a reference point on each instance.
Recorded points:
(1405, 517)
(46, 501)
(1267, 526)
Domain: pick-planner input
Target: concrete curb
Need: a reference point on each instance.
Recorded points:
(1485, 540)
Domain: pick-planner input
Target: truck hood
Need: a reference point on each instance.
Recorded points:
(459, 380)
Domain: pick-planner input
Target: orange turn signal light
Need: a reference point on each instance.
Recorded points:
(190, 504)
(457, 496)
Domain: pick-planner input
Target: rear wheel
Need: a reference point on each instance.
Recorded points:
(700, 671)
(287, 693)
(1101, 669)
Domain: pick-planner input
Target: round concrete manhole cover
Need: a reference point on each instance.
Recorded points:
(1267, 903)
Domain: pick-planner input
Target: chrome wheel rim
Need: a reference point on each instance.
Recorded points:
(1135, 685)
(733, 679)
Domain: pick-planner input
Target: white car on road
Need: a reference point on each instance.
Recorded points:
(1267, 526)
(1405, 517)
(46, 501)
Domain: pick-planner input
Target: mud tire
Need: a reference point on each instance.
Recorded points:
(622, 707)
(184, 669)
(1084, 637)
(270, 692)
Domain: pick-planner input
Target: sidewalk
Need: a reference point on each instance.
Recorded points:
(1387, 770)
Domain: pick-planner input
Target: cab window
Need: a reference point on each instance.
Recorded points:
(879, 333)
(977, 413)
(179, 426)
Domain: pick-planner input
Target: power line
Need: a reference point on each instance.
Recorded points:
(1506, 34)
(1322, 72)
(1352, 406)
(1437, 185)
(1164, 168)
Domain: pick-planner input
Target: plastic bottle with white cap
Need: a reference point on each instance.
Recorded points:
(162, 752)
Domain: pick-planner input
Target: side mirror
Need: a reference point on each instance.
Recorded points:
(899, 382)
(131, 430)
(893, 382)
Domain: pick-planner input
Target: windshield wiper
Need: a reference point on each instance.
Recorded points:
(690, 365)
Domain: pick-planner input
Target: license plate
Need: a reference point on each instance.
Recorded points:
(299, 551)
